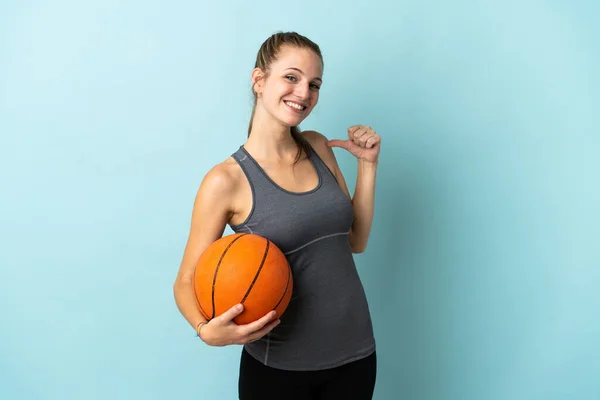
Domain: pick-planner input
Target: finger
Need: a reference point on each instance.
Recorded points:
(372, 141)
(362, 139)
(262, 332)
(230, 314)
(353, 129)
(359, 133)
(258, 324)
(344, 144)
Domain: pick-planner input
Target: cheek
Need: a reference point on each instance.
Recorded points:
(315, 98)
(284, 90)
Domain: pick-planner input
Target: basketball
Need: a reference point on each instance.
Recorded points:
(242, 268)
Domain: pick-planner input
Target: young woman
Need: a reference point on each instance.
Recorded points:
(286, 185)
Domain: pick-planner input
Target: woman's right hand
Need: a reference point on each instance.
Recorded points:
(223, 331)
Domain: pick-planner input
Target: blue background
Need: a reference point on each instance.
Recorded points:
(483, 268)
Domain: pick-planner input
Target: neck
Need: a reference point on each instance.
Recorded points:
(270, 139)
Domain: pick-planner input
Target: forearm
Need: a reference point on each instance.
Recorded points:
(186, 302)
(363, 203)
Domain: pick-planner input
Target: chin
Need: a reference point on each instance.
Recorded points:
(293, 119)
(289, 122)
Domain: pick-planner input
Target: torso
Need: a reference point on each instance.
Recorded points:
(298, 178)
(305, 210)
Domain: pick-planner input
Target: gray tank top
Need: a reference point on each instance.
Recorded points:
(327, 322)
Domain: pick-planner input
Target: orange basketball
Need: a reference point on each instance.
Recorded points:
(242, 268)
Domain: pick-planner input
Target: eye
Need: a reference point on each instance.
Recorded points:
(315, 86)
(291, 78)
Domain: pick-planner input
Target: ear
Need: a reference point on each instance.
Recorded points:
(257, 80)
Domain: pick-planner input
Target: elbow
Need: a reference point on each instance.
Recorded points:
(176, 289)
(356, 245)
(181, 288)
(180, 285)
(176, 284)
(358, 248)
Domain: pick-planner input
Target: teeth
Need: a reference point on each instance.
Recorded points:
(294, 105)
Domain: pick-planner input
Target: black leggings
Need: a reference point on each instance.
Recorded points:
(355, 380)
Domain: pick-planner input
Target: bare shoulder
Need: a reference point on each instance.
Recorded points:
(223, 179)
(217, 197)
(318, 141)
(315, 138)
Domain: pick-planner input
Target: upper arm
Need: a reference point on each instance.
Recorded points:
(211, 211)
(319, 143)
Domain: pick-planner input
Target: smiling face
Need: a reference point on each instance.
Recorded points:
(291, 89)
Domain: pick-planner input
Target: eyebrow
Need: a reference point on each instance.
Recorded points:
(299, 70)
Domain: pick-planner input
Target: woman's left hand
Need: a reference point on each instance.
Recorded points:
(362, 142)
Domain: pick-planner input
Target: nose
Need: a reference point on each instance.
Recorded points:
(303, 91)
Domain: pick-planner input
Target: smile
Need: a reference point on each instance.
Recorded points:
(295, 106)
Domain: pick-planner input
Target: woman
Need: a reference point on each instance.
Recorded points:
(286, 185)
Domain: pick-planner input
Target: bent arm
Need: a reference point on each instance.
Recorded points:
(363, 203)
(210, 214)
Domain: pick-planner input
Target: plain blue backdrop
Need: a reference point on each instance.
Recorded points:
(483, 268)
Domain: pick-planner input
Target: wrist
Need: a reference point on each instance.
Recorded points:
(368, 165)
(199, 329)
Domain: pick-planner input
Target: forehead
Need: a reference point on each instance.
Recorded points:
(301, 58)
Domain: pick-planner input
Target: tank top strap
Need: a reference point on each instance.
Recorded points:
(259, 182)
(323, 169)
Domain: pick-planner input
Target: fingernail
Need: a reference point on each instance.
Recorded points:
(239, 307)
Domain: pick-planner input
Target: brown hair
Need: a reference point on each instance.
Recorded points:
(266, 55)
